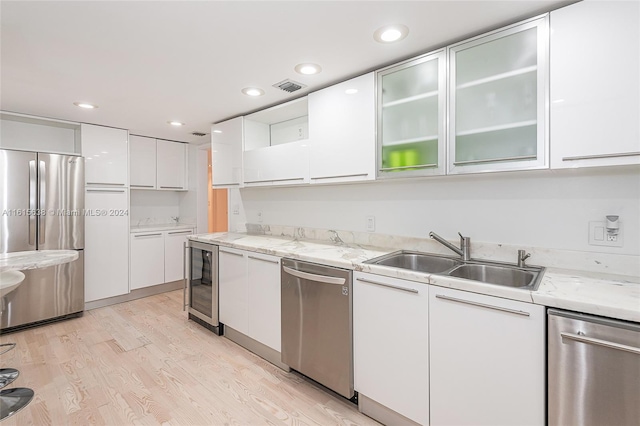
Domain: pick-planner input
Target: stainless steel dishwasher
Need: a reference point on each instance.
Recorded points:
(317, 325)
(594, 370)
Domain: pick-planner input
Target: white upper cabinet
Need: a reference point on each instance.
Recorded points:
(226, 153)
(342, 131)
(497, 100)
(142, 158)
(106, 151)
(595, 84)
(276, 145)
(411, 117)
(171, 165)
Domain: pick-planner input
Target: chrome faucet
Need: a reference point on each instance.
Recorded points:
(465, 245)
(522, 257)
(176, 219)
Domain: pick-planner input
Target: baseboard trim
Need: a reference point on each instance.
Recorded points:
(135, 294)
(263, 351)
(379, 412)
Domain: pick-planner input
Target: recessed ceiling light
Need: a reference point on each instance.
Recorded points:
(351, 91)
(253, 91)
(85, 105)
(175, 123)
(217, 131)
(390, 33)
(308, 69)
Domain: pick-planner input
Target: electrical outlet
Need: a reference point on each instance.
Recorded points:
(598, 235)
(259, 216)
(371, 223)
(236, 209)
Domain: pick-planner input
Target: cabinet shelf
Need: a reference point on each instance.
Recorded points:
(497, 128)
(496, 77)
(411, 140)
(411, 99)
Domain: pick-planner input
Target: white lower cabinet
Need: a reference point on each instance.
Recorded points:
(232, 289)
(487, 360)
(106, 251)
(147, 258)
(174, 254)
(263, 279)
(157, 257)
(249, 288)
(391, 344)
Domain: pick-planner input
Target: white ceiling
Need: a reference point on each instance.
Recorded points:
(147, 62)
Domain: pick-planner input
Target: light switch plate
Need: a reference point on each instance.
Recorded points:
(598, 235)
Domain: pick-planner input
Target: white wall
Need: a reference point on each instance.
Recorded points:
(546, 208)
(153, 207)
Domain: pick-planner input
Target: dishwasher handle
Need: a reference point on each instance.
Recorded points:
(599, 342)
(314, 277)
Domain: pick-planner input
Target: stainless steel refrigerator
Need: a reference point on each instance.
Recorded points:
(42, 208)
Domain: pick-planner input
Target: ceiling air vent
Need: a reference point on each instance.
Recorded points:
(198, 134)
(289, 86)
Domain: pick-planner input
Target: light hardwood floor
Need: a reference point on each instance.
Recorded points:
(143, 362)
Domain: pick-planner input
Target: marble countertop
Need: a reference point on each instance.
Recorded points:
(607, 295)
(161, 227)
(22, 260)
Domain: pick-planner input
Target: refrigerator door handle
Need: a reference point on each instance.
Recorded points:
(33, 201)
(42, 169)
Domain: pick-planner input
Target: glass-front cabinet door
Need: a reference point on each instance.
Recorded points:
(411, 117)
(498, 100)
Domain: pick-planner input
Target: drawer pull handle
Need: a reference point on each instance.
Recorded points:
(395, 287)
(417, 166)
(142, 186)
(314, 277)
(340, 176)
(179, 232)
(599, 342)
(494, 160)
(483, 305)
(105, 183)
(232, 253)
(119, 191)
(594, 157)
(264, 260)
(147, 235)
(273, 180)
(172, 187)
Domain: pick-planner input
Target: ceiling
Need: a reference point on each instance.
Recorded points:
(145, 63)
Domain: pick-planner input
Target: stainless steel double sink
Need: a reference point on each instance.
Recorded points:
(497, 273)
